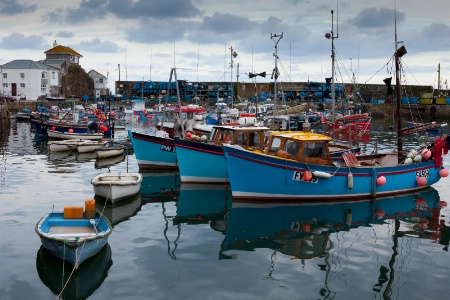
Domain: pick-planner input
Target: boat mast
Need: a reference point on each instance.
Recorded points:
(331, 36)
(398, 54)
(275, 73)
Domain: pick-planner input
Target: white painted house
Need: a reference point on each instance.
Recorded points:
(100, 83)
(28, 79)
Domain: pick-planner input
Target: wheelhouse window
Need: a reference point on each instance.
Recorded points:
(291, 147)
(314, 150)
(275, 145)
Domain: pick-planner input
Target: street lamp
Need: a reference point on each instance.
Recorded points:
(233, 55)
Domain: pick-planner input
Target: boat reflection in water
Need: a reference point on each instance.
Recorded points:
(302, 230)
(206, 206)
(119, 211)
(160, 186)
(84, 281)
(203, 203)
(109, 161)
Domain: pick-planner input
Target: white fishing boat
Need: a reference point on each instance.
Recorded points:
(110, 151)
(90, 146)
(53, 134)
(116, 186)
(64, 145)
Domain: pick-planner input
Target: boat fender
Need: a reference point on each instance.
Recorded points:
(418, 158)
(409, 160)
(350, 180)
(321, 174)
(412, 153)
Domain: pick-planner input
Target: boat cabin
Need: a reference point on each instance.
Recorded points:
(304, 147)
(248, 137)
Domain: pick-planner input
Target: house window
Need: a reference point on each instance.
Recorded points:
(100, 80)
(53, 75)
(43, 88)
(72, 58)
(22, 75)
(5, 75)
(5, 85)
(22, 85)
(44, 75)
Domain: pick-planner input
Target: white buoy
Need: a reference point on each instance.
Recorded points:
(321, 174)
(350, 180)
(418, 158)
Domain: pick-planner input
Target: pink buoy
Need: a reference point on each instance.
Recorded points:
(443, 172)
(421, 181)
(188, 134)
(70, 130)
(381, 180)
(426, 154)
(105, 129)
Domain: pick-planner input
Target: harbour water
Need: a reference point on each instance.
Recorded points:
(191, 241)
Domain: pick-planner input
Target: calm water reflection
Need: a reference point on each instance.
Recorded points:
(192, 241)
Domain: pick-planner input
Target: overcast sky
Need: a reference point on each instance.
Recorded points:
(149, 37)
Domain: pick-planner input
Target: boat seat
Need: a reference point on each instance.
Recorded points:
(351, 160)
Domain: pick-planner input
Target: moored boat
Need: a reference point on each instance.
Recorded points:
(74, 235)
(54, 134)
(201, 160)
(116, 186)
(64, 145)
(90, 146)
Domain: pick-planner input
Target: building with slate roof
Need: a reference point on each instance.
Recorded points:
(28, 79)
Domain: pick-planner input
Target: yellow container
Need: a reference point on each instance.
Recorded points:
(73, 212)
(89, 205)
(441, 100)
(425, 101)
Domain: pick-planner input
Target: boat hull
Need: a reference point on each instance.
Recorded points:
(200, 162)
(73, 240)
(153, 152)
(254, 176)
(116, 186)
(106, 152)
(53, 134)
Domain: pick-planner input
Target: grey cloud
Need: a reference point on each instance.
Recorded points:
(379, 18)
(98, 46)
(65, 34)
(14, 7)
(19, 41)
(158, 9)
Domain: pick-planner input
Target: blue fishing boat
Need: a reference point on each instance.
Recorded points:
(202, 161)
(302, 230)
(153, 151)
(72, 237)
(298, 166)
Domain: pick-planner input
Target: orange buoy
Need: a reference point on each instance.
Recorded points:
(70, 130)
(307, 176)
(53, 128)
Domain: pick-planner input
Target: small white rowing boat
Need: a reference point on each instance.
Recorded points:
(90, 146)
(64, 145)
(117, 186)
